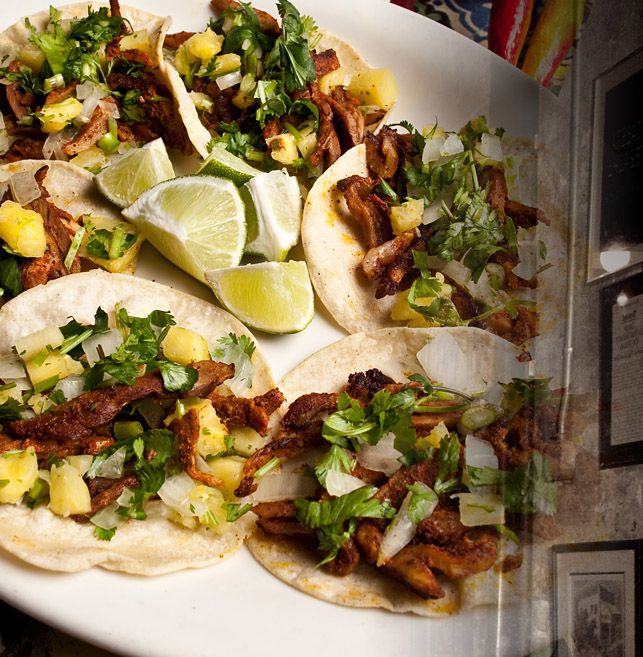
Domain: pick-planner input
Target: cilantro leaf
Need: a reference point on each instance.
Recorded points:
(53, 43)
(10, 276)
(234, 511)
(104, 534)
(529, 488)
(237, 350)
(337, 459)
(449, 458)
(421, 502)
(524, 393)
(177, 377)
(10, 410)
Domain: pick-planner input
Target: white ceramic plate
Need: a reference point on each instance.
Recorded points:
(237, 608)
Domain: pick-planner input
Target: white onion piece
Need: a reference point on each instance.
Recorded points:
(461, 274)
(478, 509)
(432, 148)
(45, 475)
(400, 531)
(175, 493)
(479, 453)
(80, 462)
(4, 143)
(112, 466)
(490, 147)
(11, 367)
(452, 146)
(339, 483)
(21, 384)
(53, 146)
(24, 187)
(279, 486)
(71, 386)
(229, 80)
(111, 107)
(472, 361)
(109, 342)
(108, 518)
(382, 457)
(434, 211)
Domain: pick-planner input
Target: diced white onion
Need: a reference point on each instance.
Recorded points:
(4, 144)
(175, 492)
(400, 531)
(478, 509)
(52, 149)
(111, 107)
(22, 384)
(24, 187)
(81, 462)
(112, 466)
(109, 342)
(108, 518)
(434, 211)
(461, 274)
(44, 475)
(11, 367)
(276, 486)
(339, 483)
(479, 453)
(382, 457)
(432, 148)
(126, 498)
(490, 147)
(452, 146)
(229, 80)
(71, 386)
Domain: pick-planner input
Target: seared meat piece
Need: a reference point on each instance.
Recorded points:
(378, 257)
(309, 409)
(186, 431)
(525, 216)
(25, 148)
(132, 55)
(268, 24)
(370, 211)
(517, 330)
(109, 495)
(90, 133)
(325, 62)
(78, 418)
(347, 118)
(442, 527)
(48, 447)
(279, 518)
(511, 562)
(395, 489)
(464, 303)
(58, 95)
(346, 561)
(271, 129)
(381, 153)
(328, 148)
(363, 385)
(20, 101)
(212, 373)
(176, 40)
(114, 8)
(508, 260)
(8, 444)
(424, 423)
(145, 83)
(163, 119)
(237, 412)
(497, 193)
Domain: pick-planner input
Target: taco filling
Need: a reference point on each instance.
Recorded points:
(99, 422)
(274, 94)
(417, 480)
(441, 234)
(85, 88)
(41, 242)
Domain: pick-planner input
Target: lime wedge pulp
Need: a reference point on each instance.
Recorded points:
(275, 297)
(196, 222)
(224, 164)
(136, 171)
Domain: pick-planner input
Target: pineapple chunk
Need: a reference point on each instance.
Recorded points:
(203, 46)
(438, 432)
(283, 148)
(247, 440)
(407, 215)
(331, 80)
(92, 159)
(376, 86)
(81, 462)
(32, 57)
(56, 116)
(18, 473)
(212, 432)
(243, 100)
(307, 144)
(184, 346)
(68, 493)
(229, 470)
(126, 264)
(401, 310)
(226, 63)
(208, 503)
(30, 345)
(137, 41)
(54, 364)
(23, 230)
(201, 101)
(40, 404)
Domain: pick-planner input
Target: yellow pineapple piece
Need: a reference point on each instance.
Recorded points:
(30, 345)
(247, 440)
(184, 346)
(407, 215)
(139, 40)
(55, 117)
(68, 492)
(376, 86)
(53, 364)
(228, 469)
(18, 473)
(23, 230)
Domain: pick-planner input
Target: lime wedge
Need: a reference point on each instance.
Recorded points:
(197, 222)
(275, 297)
(274, 214)
(224, 164)
(138, 170)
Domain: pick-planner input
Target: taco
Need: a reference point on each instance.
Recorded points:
(79, 81)
(52, 222)
(384, 488)
(417, 228)
(122, 439)
(275, 95)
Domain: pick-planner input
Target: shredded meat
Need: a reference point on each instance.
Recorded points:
(348, 119)
(368, 209)
(186, 431)
(379, 257)
(132, 55)
(309, 410)
(212, 373)
(524, 215)
(268, 24)
(19, 100)
(114, 8)
(363, 385)
(508, 260)
(328, 148)
(80, 416)
(279, 518)
(25, 148)
(424, 423)
(395, 489)
(90, 133)
(382, 153)
(237, 412)
(442, 527)
(517, 330)
(497, 192)
(176, 40)
(346, 561)
(325, 62)
(58, 95)
(109, 495)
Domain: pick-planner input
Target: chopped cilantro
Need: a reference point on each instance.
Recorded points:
(337, 459)
(524, 393)
(10, 409)
(104, 534)
(234, 511)
(237, 350)
(10, 276)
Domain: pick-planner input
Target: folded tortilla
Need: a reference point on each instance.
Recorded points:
(393, 351)
(153, 546)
